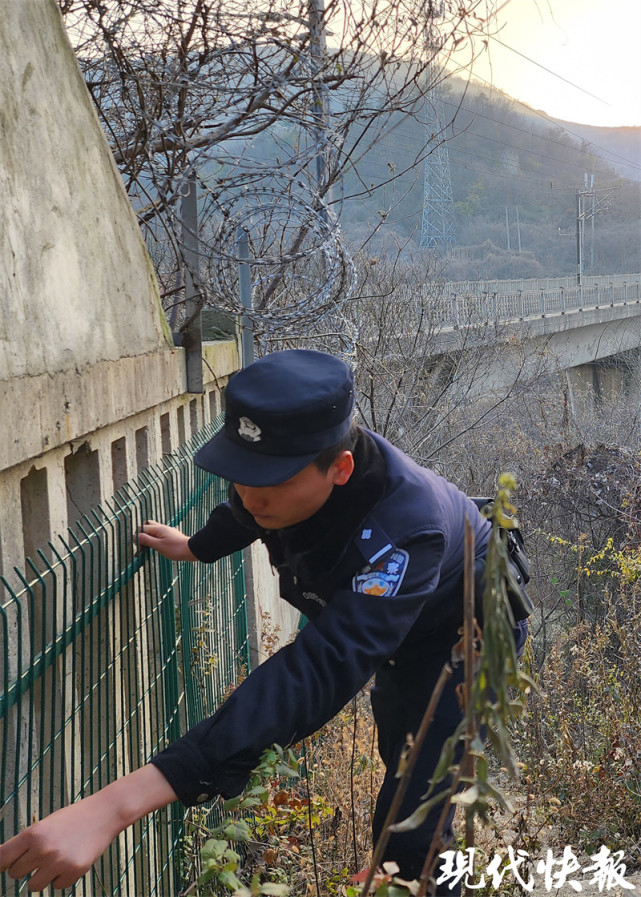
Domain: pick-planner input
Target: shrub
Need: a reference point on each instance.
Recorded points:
(582, 734)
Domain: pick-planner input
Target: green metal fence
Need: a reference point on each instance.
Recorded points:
(106, 655)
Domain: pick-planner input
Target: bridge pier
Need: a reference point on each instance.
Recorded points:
(596, 384)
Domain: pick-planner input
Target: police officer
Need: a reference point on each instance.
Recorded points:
(367, 544)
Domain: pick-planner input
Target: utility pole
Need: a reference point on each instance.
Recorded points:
(321, 100)
(191, 336)
(589, 202)
(244, 286)
(579, 237)
(592, 216)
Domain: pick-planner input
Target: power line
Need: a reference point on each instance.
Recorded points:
(540, 136)
(547, 119)
(532, 152)
(414, 152)
(549, 71)
(413, 143)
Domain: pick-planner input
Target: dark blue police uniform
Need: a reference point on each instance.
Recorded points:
(378, 571)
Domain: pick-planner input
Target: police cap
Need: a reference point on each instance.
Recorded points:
(280, 413)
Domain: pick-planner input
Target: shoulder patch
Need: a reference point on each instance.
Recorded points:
(384, 580)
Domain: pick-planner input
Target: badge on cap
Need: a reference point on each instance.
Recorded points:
(384, 580)
(248, 430)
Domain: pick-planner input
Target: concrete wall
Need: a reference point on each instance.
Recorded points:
(91, 387)
(76, 284)
(42, 493)
(86, 358)
(599, 385)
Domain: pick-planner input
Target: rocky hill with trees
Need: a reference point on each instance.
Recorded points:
(515, 174)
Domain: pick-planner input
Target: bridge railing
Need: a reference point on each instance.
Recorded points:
(459, 308)
(536, 284)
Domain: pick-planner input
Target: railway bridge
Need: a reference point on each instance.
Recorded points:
(592, 331)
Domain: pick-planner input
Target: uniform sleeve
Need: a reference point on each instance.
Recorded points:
(220, 536)
(303, 685)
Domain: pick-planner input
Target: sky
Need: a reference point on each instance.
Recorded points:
(579, 60)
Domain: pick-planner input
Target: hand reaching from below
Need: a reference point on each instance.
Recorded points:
(61, 848)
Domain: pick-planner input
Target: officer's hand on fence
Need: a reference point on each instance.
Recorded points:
(60, 848)
(166, 540)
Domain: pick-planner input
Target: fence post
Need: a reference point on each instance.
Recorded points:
(542, 303)
(192, 336)
(611, 294)
(521, 311)
(562, 301)
(456, 310)
(244, 286)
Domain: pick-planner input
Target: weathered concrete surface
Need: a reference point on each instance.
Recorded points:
(588, 335)
(76, 284)
(45, 411)
(271, 620)
(48, 419)
(602, 383)
(87, 365)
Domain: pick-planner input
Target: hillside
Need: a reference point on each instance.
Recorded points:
(507, 161)
(622, 146)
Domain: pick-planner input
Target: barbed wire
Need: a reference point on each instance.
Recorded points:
(300, 266)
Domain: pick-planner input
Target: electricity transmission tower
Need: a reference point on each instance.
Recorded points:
(437, 225)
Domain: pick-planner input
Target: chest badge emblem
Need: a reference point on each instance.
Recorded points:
(384, 580)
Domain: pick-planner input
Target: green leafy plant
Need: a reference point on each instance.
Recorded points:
(220, 862)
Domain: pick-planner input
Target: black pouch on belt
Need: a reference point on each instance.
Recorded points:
(520, 601)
